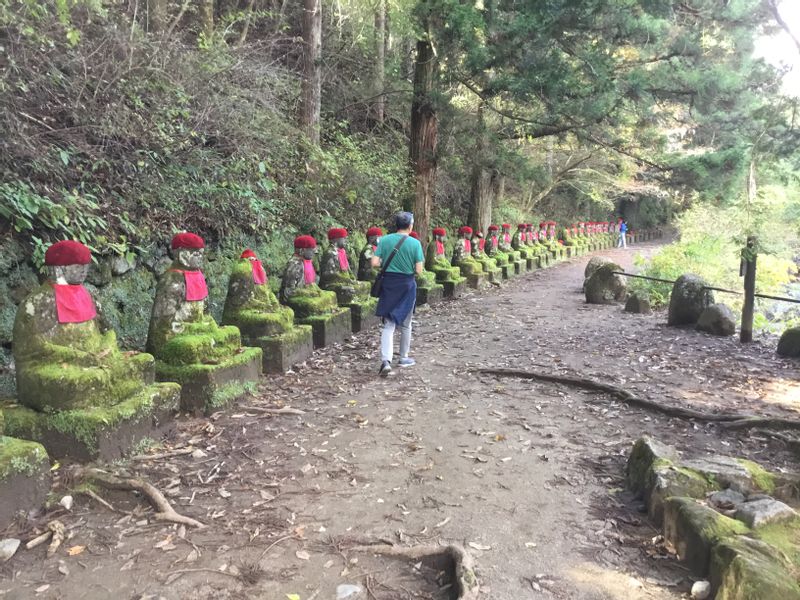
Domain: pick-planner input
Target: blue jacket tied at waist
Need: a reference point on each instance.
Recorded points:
(398, 297)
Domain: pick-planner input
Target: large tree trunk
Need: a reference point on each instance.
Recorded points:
(205, 13)
(380, 61)
(424, 137)
(156, 15)
(312, 71)
(483, 184)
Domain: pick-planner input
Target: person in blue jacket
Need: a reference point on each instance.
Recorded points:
(623, 234)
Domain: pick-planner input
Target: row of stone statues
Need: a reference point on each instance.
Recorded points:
(80, 396)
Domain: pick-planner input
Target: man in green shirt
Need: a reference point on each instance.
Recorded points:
(399, 289)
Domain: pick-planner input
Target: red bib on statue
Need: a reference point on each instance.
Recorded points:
(196, 288)
(481, 244)
(439, 247)
(344, 264)
(467, 246)
(74, 304)
(259, 274)
(309, 274)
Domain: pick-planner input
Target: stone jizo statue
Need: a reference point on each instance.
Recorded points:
(366, 272)
(66, 353)
(336, 274)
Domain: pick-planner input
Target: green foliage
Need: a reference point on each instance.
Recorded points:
(712, 250)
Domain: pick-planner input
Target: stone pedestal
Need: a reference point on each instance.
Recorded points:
(104, 434)
(207, 388)
(454, 289)
(282, 352)
(330, 328)
(362, 315)
(24, 477)
(476, 280)
(507, 271)
(430, 295)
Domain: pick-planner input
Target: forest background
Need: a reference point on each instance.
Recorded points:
(249, 121)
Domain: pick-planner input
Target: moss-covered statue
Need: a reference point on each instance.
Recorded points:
(208, 360)
(557, 250)
(519, 242)
(79, 386)
(262, 320)
(488, 264)
(437, 263)
(428, 291)
(493, 251)
(505, 246)
(366, 272)
(462, 258)
(337, 276)
(311, 304)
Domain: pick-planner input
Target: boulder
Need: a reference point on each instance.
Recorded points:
(763, 511)
(789, 344)
(688, 300)
(726, 499)
(604, 286)
(638, 304)
(595, 263)
(746, 569)
(717, 319)
(694, 530)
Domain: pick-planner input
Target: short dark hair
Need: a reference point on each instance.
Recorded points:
(403, 220)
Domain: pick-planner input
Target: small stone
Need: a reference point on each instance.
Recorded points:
(604, 286)
(638, 305)
(761, 512)
(8, 548)
(121, 265)
(717, 319)
(349, 591)
(66, 502)
(726, 499)
(701, 590)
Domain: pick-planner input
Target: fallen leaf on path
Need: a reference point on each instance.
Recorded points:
(302, 555)
(75, 550)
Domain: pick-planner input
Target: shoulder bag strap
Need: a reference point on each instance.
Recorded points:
(391, 256)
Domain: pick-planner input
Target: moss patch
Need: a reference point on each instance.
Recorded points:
(229, 392)
(20, 457)
(783, 536)
(185, 373)
(762, 478)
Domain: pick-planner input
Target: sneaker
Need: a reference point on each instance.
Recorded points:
(406, 362)
(386, 369)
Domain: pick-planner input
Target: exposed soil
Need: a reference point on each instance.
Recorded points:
(527, 476)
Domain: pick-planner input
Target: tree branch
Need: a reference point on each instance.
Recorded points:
(773, 8)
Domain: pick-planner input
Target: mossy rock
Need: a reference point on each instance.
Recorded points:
(604, 286)
(688, 300)
(747, 569)
(717, 319)
(694, 529)
(106, 433)
(470, 266)
(24, 478)
(595, 263)
(789, 344)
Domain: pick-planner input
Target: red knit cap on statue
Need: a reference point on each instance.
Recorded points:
(248, 254)
(506, 225)
(67, 252)
(414, 234)
(335, 233)
(493, 228)
(374, 231)
(187, 240)
(304, 241)
(465, 229)
(542, 224)
(521, 226)
(439, 231)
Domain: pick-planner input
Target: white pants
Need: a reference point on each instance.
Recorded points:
(387, 338)
(623, 242)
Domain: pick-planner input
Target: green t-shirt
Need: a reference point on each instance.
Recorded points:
(406, 259)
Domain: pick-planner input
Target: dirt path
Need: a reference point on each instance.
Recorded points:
(526, 476)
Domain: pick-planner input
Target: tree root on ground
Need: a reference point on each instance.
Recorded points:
(110, 481)
(729, 421)
(451, 558)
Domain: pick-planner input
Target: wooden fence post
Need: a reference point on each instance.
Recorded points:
(748, 271)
